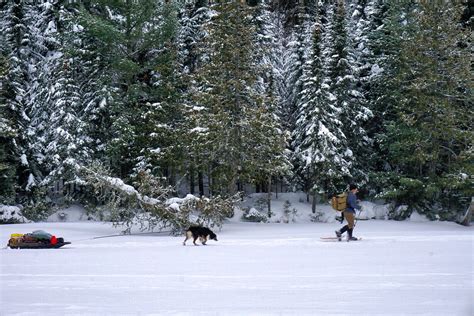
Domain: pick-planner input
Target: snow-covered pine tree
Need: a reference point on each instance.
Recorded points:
(320, 152)
(24, 49)
(232, 116)
(353, 59)
(191, 20)
(365, 63)
(272, 162)
(64, 137)
(138, 66)
(12, 34)
(88, 68)
(159, 136)
(7, 135)
(222, 98)
(191, 33)
(302, 46)
(386, 23)
(298, 46)
(430, 138)
(274, 157)
(277, 58)
(47, 46)
(67, 102)
(336, 80)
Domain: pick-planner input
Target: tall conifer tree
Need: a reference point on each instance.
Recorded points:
(428, 132)
(234, 117)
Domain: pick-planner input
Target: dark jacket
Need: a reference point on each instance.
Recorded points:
(352, 204)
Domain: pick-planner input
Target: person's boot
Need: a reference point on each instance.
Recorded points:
(349, 235)
(340, 232)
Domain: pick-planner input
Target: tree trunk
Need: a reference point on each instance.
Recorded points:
(209, 182)
(191, 179)
(466, 220)
(313, 205)
(276, 190)
(269, 196)
(201, 183)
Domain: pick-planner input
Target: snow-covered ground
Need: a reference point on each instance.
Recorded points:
(399, 268)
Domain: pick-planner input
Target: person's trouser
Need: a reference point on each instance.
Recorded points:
(350, 217)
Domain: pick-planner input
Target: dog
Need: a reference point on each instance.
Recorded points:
(203, 233)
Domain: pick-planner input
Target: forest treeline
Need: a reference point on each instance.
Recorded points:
(131, 102)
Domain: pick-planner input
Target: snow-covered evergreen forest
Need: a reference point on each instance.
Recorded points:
(122, 105)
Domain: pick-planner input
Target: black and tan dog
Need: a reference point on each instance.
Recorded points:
(203, 233)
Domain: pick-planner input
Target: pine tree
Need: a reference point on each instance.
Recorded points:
(387, 24)
(353, 63)
(13, 31)
(233, 121)
(7, 135)
(193, 19)
(93, 89)
(429, 133)
(298, 46)
(318, 138)
(275, 135)
(366, 20)
(47, 44)
(30, 39)
(18, 21)
(278, 57)
(134, 45)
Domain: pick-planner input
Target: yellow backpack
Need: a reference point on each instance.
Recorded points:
(339, 202)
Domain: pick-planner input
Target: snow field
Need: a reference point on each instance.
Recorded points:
(400, 268)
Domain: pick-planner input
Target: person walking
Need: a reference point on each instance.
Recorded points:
(349, 214)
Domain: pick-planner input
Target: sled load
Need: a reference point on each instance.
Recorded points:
(38, 239)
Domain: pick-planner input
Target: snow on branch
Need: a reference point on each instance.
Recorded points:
(131, 206)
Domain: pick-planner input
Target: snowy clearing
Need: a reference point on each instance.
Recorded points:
(400, 268)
